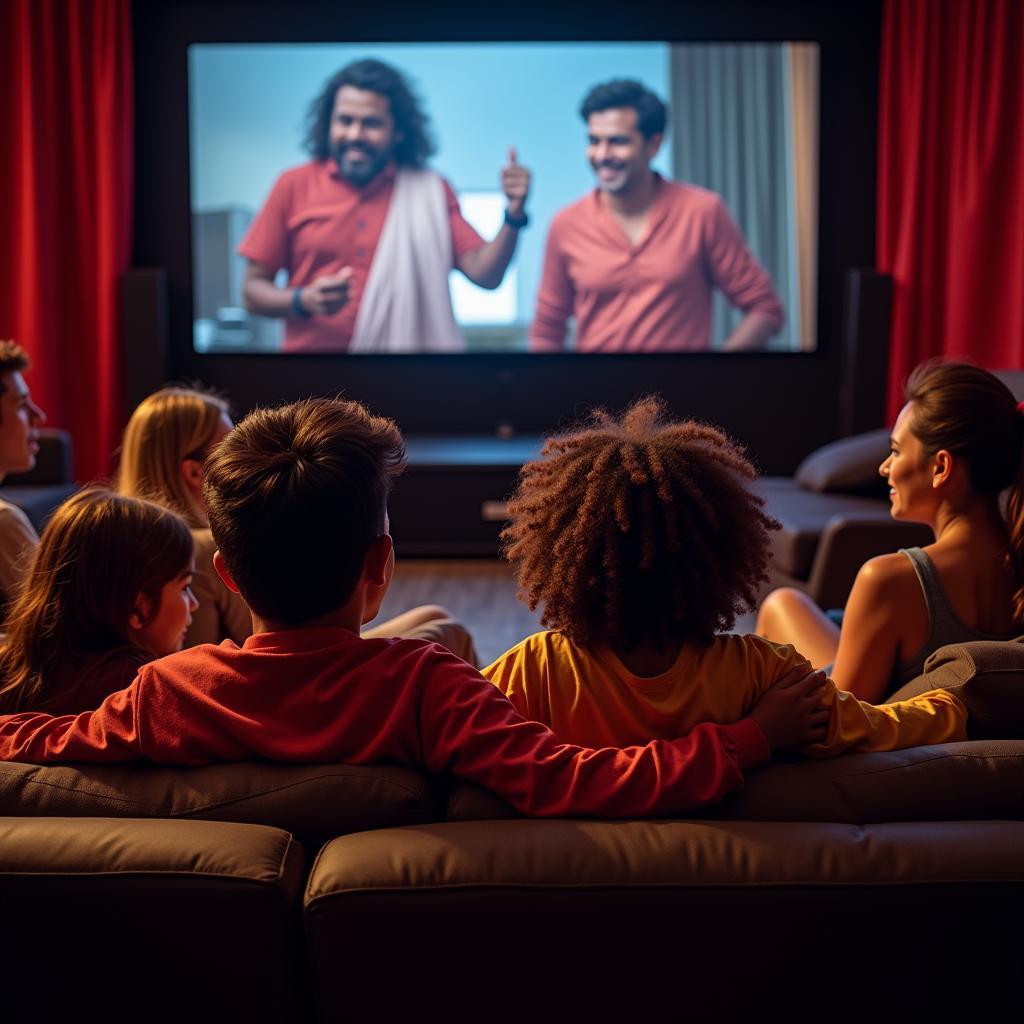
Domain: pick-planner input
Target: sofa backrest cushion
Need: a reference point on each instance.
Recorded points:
(54, 461)
(987, 675)
(313, 802)
(847, 466)
(948, 782)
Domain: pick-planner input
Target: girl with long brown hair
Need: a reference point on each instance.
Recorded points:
(957, 446)
(107, 591)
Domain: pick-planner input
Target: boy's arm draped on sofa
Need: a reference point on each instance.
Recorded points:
(460, 723)
(326, 696)
(471, 730)
(110, 734)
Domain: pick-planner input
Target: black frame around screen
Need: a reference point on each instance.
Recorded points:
(780, 404)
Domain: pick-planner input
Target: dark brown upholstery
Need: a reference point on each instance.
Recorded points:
(860, 888)
(824, 539)
(847, 466)
(40, 490)
(987, 675)
(804, 516)
(950, 782)
(55, 463)
(139, 920)
(701, 854)
(534, 919)
(314, 802)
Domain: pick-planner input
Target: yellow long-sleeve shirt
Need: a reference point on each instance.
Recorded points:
(588, 697)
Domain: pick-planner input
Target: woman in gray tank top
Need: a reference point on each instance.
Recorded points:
(957, 445)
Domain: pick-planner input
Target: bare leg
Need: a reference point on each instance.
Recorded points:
(789, 616)
(429, 622)
(414, 618)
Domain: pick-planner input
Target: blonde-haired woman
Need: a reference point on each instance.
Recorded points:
(163, 451)
(165, 443)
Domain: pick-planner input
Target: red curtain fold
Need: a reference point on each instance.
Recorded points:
(66, 207)
(951, 182)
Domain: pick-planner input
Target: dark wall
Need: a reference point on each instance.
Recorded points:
(780, 405)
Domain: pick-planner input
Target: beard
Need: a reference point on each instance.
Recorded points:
(359, 172)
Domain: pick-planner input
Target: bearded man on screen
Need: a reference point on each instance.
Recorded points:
(368, 234)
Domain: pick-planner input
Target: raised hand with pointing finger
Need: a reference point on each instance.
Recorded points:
(486, 265)
(515, 183)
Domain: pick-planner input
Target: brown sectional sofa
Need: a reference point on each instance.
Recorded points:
(870, 886)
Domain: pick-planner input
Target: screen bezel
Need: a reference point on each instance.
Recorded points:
(531, 393)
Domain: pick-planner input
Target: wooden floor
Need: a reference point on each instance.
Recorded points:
(480, 593)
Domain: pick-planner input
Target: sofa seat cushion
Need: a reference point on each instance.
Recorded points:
(987, 675)
(947, 782)
(583, 919)
(314, 802)
(117, 919)
(804, 515)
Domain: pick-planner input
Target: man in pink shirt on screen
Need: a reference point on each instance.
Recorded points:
(635, 261)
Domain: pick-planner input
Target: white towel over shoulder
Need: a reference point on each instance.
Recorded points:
(406, 306)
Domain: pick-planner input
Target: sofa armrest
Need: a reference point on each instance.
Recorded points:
(847, 542)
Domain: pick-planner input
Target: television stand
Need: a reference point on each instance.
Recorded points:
(450, 502)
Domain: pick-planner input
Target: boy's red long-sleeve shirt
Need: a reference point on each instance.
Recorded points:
(325, 695)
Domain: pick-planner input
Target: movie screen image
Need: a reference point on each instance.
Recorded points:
(386, 198)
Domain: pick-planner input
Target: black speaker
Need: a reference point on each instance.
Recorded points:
(867, 307)
(145, 338)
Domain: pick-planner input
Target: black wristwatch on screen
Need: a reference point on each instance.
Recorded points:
(297, 309)
(516, 222)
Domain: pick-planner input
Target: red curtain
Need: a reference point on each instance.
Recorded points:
(951, 182)
(66, 207)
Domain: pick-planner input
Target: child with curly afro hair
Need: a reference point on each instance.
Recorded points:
(641, 540)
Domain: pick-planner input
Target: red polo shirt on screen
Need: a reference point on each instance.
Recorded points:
(654, 296)
(315, 222)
